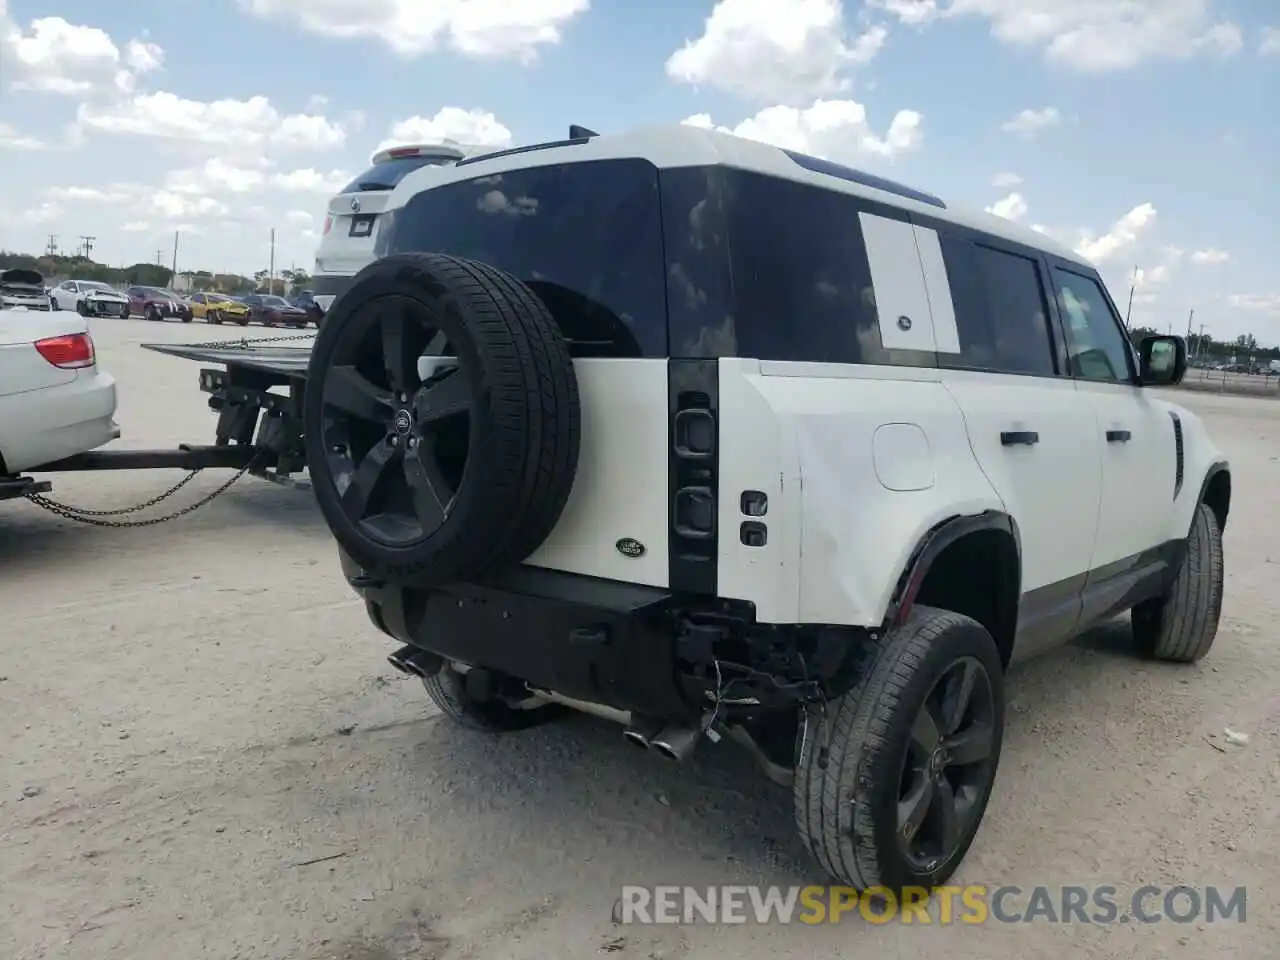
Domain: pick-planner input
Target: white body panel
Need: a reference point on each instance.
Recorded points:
(1051, 488)
(47, 413)
(620, 489)
(1137, 474)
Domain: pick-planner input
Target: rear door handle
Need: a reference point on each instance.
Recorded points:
(1118, 436)
(1019, 438)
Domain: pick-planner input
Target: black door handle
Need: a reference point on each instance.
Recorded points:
(1016, 438)
(1118, 436)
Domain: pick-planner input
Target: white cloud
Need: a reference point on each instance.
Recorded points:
(310, 180)
(1011, 207)
(143, 57)
(112, 194)
(135, 226)
(11, 138)
(46, 212)
(909, 12)
(1006, 179)
(251, 123)
(1122, 237)
(785, 51)
(180, 206)
(1210, 256)
(478, 28)
(834, 129)
(299, 218)
(1098, 36)
(1269, 42)
(216, 176)
(477, 128)
(58, 57)
(1256, 302)
(1028, 123)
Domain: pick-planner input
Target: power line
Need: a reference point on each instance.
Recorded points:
(86, 245)
(52, 248)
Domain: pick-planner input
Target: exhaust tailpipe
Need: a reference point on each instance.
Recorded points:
(641, 732)
(416, 662)
(677, 742)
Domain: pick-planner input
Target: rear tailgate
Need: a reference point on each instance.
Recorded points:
(352, 221)
(21, 366)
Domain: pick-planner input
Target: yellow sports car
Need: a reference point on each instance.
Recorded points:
(215, 308)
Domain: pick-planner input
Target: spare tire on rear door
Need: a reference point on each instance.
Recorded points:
(441, 420)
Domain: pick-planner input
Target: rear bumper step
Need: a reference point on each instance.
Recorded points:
(591, 640)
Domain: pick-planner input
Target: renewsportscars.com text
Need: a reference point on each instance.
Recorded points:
(943, 905)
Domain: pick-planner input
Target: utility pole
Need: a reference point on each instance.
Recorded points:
(174, 278)
(86, 246)
(52, 248)
(271, 266)
(1133, 283)
(1200, 343)
(159, 257)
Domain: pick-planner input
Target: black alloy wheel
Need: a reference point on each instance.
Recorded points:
(948, 765)
(397, 443)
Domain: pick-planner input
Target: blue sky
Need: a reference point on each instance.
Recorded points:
(1136, 132)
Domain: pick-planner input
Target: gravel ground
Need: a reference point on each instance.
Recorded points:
(194, 714)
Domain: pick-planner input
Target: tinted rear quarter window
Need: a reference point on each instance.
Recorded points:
(769, 268)
(586, 237)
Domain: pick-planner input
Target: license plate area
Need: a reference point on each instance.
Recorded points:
(362, 225)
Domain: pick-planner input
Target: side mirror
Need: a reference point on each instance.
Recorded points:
(1162, 361)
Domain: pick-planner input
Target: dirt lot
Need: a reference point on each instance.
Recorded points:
(195, 712)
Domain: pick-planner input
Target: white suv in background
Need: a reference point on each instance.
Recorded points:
(351, 219)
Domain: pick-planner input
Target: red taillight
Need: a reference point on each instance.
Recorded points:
(399, 153)
(328, 222)
(69, 352)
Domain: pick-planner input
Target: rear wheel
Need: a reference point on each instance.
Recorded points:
(485, 710)
(442, 427)
(892, 783)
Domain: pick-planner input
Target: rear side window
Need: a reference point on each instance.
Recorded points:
(1001, 313)
(586, 237)
(385, 175)
(765, 267)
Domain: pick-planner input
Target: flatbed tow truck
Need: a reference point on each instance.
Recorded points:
(256, 388)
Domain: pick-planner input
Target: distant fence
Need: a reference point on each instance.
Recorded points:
(1225, 376)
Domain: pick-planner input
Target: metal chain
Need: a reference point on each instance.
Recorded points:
(93, 518)
(244, 343)
(85, 512)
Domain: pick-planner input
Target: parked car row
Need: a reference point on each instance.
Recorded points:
(94, 298)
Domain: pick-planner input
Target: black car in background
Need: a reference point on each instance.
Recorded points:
(270, 311)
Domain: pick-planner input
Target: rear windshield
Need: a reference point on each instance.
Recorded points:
(385, 175)
(586, 237)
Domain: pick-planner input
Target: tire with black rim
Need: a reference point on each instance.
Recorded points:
(81, 308)
(1180, 627)
(891, 785)
(441, 420)
(153, 314)
(448, 691)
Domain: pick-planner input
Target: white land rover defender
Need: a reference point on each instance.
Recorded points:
(726, 441)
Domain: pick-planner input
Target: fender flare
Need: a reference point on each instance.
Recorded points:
(930, 547)
(1216, 468)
